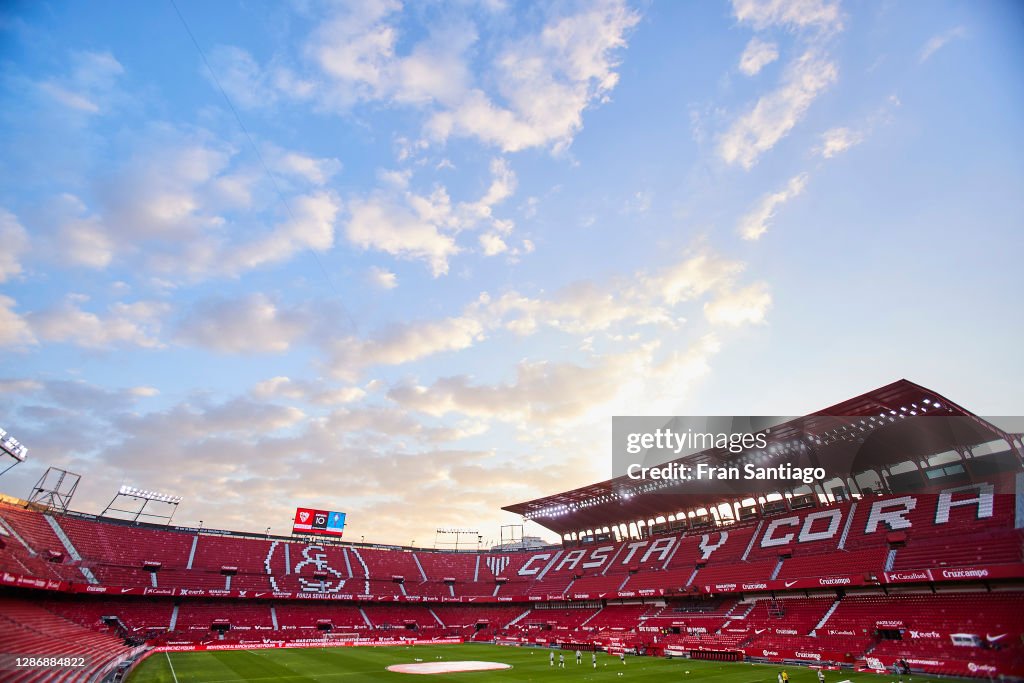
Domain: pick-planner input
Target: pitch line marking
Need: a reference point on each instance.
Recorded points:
(168, 655)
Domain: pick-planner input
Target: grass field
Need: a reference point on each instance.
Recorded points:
(528, 664)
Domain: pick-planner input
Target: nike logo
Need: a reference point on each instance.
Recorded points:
(759, 631)
(789, 583)
(125, 590)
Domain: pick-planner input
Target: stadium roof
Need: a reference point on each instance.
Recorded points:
(894, 421)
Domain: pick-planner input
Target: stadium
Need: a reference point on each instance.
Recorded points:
(913, 561)
(515, 341)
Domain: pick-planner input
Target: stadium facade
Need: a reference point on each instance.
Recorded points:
(912, 555)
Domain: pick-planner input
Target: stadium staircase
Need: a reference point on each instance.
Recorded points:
(825, 617)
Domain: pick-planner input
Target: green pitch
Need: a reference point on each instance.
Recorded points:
(353, 664)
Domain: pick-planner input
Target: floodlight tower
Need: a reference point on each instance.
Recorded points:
(55, 489)
(511, 534)
(441, 537)
(13, 448)
(146, 497)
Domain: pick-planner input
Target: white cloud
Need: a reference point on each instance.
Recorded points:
(70, 99)
(436, 70)
(698, 273)
(492, 244)
(422, 227)
(241, 449)
(199, 423)
(250, 85)
(756, 222)
(546, 81)
(13, 243)
(937, 42)
(90, 86)
(14, 330)
(81, 237)
(748, 305)
(356, 52)
(379, 224)
(580, 308)
(252, 324)
(96, 69)
(585, 307)
(279, 386)
(310, 225)
(316, 170)
(530, 93)
(184, 206)
(640, 202)
(837, 140)
(388, 423)
(159, 192)
(312, 392)
(144, 392)
(241, 77)
(403, 344)
(643, 298)
(135, 324)
(382, 278)
(357, 44)
(547, 399)
(503, 185)
(541, 393)
(19, 386)
(476, 116)
(796, 14)
(775, 114)
(338, 395)
(757, 55)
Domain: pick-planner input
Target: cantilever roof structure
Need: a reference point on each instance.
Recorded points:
(894, 420)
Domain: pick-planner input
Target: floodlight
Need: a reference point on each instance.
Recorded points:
(146, 496)
(13, 448)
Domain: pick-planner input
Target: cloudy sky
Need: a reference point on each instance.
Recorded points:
(406, 261)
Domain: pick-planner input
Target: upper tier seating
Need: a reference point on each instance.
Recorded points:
(992, 547)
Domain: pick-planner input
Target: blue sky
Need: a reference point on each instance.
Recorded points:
(426, 252)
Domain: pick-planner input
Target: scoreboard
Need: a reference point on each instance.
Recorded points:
(326, 522)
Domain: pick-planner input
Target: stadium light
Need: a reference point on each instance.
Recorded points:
(149, 495)
(146, 496)
(13, 448)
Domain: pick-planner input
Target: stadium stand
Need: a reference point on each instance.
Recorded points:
(345, 618)
(934, 577)
(30, 630)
